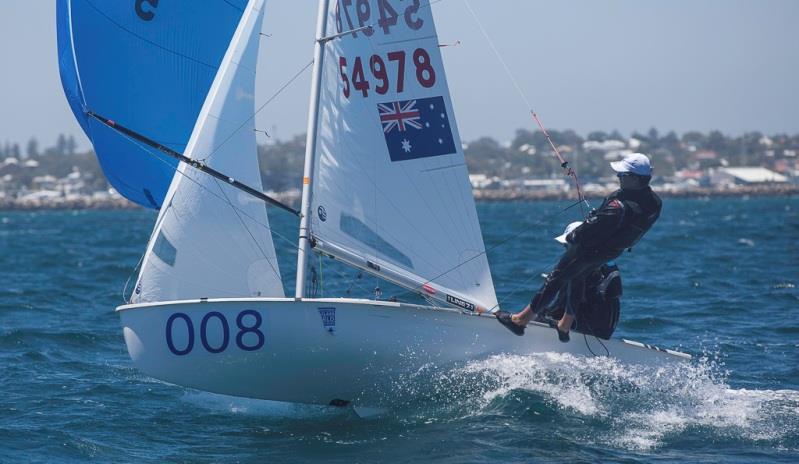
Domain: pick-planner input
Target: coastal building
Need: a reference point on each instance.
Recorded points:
(45, 182)
(539, 185)
(527, 148)
(9, 165)
(482, 181)
(745, 176)
(607, 145)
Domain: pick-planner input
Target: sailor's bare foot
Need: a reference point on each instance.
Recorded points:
(523, 317)
(564, 325)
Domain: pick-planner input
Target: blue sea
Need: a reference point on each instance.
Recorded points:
(716, 278)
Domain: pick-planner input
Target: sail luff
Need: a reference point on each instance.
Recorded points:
(74, 56)
(310, 148)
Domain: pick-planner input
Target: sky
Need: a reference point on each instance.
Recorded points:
(730, 65)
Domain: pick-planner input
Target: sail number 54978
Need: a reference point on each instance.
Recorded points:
(425, 73)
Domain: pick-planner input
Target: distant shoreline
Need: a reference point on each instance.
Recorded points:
(695, 192)
(485, 195)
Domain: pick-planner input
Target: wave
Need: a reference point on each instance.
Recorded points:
(632, 407)
(600, 399)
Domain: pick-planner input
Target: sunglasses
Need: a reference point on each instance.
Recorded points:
(624, 174)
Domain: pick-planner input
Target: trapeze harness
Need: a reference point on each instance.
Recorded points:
(623, 219)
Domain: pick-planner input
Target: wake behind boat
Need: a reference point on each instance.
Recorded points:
(385, 190)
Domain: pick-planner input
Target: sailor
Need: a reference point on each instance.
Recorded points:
(572, 294)
(622, 219)
(592, 302)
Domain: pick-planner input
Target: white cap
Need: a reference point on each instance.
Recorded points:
(635, 163)
(562, 237)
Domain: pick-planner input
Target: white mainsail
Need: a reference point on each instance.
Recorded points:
(390, 190)
(212, 240)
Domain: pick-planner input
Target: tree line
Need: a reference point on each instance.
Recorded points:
(65, 145)
(528, 155)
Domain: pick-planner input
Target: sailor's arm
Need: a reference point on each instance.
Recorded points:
(600, 225)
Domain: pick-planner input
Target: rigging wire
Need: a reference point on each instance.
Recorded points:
(539, 222)
(260, 108)
(192, 162)
(127, 282)
(312, 284)
(249, 232)
(453, 218)
(344, 35)
(226, 200)
(214, 194)
(291, 243)
(563, 163)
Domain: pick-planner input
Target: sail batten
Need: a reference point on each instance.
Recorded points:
(390, 191)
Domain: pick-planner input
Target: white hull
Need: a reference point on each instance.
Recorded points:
(319, 350)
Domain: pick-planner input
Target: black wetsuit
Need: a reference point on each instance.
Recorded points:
(624, 217)
(598, 314)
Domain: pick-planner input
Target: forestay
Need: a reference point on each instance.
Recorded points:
(148, 65)
(390, 191)
(212, 240)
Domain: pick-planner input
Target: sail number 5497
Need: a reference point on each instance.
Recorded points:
(356, 14)
(380, 76)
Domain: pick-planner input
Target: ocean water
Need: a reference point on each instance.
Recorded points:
(715, 277)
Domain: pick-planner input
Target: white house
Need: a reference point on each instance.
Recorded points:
(745, 176)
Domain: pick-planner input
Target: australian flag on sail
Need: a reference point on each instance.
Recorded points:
(416, 128)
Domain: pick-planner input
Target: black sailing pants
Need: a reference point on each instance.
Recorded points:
(570, 273)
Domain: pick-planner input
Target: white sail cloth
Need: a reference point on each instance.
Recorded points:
(212, 240)
(390, 188)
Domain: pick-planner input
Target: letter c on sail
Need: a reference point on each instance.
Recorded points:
(146, 15)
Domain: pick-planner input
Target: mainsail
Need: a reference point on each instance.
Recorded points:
(390, 190)
(211, 239)
(148, 65)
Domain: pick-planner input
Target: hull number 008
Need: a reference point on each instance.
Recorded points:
(247, 336)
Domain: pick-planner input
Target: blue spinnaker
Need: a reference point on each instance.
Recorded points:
(148, 66)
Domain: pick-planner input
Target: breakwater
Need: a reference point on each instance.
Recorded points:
(111, 203)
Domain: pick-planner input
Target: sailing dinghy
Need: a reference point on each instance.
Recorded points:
(385, 190)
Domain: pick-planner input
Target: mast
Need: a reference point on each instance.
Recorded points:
(303, 248)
